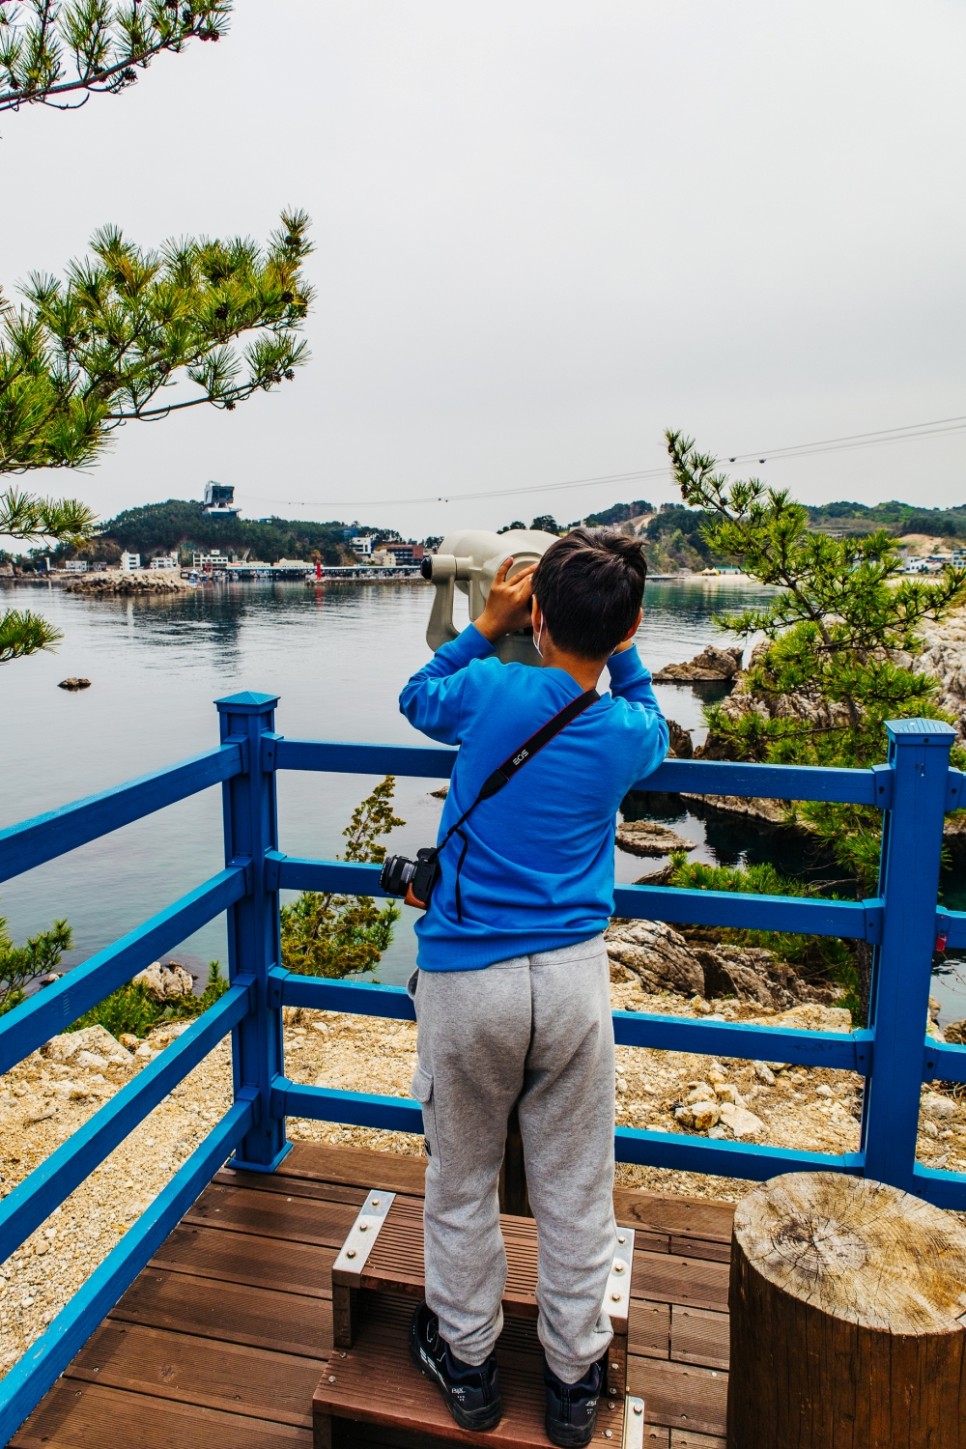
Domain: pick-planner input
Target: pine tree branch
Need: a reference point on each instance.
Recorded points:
(23, 633)
(92, 352)
(93, 31)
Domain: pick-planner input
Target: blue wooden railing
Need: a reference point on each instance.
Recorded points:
(913, 790)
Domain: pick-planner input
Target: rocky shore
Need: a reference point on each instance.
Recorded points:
(943, 655)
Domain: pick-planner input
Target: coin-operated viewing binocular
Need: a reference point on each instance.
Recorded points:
(469, 562)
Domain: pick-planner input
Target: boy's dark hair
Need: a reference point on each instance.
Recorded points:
(589, 586)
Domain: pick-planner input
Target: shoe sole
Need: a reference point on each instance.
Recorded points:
(464, 1419)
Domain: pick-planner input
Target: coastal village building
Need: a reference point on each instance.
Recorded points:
(130, 562)
(220, 499)
(404, 553)
(164, 561)
(213, 560)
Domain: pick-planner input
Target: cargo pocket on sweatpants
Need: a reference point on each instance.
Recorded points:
(422, 1090)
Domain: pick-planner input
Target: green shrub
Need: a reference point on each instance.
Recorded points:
(133, 1009)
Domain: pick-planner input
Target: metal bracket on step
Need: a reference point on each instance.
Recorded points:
(633, 1423)
(617, 1301)
(363, 1234)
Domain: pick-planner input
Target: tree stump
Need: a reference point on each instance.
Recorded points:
(848, 1318)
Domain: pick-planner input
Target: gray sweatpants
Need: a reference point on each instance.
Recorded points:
(535, 1031)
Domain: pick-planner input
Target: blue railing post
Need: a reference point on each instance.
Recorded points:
(251, 829)
(902, 963)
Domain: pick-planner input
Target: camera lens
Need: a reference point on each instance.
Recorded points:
(396, 874)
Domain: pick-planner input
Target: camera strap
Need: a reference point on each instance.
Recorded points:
(504, 773)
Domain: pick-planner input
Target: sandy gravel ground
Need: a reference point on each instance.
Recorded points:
(47, 1097)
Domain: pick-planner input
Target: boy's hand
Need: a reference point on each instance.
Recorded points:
(508, 602)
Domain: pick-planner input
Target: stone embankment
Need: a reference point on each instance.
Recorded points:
(53, 1092)
(153, 581)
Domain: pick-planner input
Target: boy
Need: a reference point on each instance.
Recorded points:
(512, 993)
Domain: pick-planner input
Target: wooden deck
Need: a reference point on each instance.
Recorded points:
(220, 1340)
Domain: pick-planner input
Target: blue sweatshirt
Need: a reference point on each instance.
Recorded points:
(538, 870)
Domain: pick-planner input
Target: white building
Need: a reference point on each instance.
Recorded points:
(362, 545)
(214, 560)
(130, 562)
(220, 499)
(75, 566)
(165, 561)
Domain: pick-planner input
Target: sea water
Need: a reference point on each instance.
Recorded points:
(336, 657)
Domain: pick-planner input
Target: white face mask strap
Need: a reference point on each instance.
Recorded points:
(536, 642)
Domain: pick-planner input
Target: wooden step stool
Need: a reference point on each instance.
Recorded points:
(377, 1280)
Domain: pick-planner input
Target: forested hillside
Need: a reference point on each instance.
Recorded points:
(180, 525)
(895, 517)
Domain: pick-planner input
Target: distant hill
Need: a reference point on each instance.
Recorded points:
(674, 538)
(181, 525)
(895, 517)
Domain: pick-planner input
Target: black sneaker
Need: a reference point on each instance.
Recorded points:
(472, 1393)
(572, 1408)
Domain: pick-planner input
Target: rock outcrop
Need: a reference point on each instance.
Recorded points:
(945, 657)
(680, 744)
(712, 664)
(114, 581)
(165, 982)
(660, 959)
(647, 837)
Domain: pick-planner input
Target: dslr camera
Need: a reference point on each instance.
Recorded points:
(411, 879)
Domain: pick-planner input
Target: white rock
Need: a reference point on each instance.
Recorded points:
(764, 1073)
(728, 1092)
(165, 1035)
(40, 1112)
(93, 1061)
(165, 982)
(822, 1090)
(96, 1039)
(930, 1128)
(699, 1115)
(939, 1107)
(740, 1121)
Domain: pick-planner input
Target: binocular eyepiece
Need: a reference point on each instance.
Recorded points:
(469, 562)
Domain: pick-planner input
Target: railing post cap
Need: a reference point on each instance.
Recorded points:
(921, 731)
(247, 702)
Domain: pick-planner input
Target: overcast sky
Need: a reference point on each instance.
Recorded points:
(545, 230)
